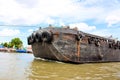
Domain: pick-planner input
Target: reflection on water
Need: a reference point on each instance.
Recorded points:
(25, 67)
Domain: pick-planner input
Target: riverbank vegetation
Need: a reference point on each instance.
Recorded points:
(14, 43)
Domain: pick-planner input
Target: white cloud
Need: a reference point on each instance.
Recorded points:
(50, 21)
(103, 32)
(57, 11)
(15, 12)
(83, 26)
(107, 32)
(113, 18)
(9, 32)
(28, 3)
(60, 12)
(30, 30)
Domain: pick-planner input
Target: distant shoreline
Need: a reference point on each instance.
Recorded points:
(11, 50)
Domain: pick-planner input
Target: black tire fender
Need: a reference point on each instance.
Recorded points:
(30, 40)
(47, 36)
(90, 40)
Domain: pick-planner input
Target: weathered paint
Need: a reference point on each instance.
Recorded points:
(65, 47)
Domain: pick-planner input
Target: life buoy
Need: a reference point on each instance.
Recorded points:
(47, 36)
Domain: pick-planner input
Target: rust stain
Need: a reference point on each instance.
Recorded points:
(78, 49)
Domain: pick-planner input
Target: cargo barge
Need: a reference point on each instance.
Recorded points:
(74, 46)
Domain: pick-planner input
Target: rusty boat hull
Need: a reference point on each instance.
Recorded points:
(71, 45)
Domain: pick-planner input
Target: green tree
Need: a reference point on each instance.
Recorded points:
(17, 43)
(10, 45)
(5, 44)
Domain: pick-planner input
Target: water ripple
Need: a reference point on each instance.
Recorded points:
(26, 67)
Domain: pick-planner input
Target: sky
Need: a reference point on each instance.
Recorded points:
(19, 18)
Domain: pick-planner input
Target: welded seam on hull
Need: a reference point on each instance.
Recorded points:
(54, 53)
(62, 54)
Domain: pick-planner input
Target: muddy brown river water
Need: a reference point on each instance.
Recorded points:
(21, 66)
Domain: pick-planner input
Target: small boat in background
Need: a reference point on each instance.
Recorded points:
(21, 51)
